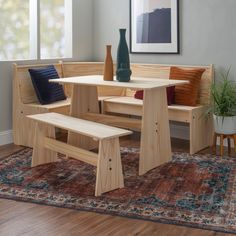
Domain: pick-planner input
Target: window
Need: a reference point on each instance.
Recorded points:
(35, 29)
(14, 29)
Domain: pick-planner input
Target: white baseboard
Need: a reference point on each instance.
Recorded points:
(6, 137)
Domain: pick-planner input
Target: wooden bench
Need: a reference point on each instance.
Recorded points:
(200, 127)
(107, 161)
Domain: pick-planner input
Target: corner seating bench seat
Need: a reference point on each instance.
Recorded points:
(115, 101)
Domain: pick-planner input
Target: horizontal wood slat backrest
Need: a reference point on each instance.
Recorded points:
(24, 83)
(73, 69)
(163, 72)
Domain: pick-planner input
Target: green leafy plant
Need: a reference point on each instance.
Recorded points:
(223, 94)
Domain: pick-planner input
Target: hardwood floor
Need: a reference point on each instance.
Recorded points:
(19, 218)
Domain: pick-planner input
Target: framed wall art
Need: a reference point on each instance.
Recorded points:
(154, 26)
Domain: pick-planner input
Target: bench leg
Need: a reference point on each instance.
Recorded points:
(109, 167)
(41, 155)
(155, 134)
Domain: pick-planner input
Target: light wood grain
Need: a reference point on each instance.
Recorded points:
(72, 69)
(134, 83)
(117, 121)
(163, 71)
(92, 129)
(158, 145)
(27, 92)
(25, 103)
(71, 151)
(84, 99)
(109, 169)
(200, 125)
(41, 155)
(155, 134)
(108, 160)
(121, 108)
(132, 106)
(201, 129)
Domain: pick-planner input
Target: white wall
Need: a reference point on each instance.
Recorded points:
(207, 32)
(82, 50)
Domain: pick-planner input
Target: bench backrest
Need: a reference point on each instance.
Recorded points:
(23, 84)
(163, 72)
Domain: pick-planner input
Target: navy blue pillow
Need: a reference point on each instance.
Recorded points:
(46, 92)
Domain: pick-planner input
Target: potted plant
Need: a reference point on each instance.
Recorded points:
(223, 94)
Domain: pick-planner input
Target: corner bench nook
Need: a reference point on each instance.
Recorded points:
(116, 101)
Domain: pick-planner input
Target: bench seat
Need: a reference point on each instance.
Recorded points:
(88, 128)
(199, 126)
(109, 174)
(133, 106)
(55, 105)
(139, 102)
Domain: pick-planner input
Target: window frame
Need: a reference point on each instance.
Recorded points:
(34, 32)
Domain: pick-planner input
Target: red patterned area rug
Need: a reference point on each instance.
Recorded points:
(197, 191)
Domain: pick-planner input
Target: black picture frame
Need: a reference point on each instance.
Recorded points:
(177, 36)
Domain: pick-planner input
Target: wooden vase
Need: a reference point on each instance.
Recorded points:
(108, 65)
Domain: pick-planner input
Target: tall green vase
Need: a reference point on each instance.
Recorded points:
(123, 71)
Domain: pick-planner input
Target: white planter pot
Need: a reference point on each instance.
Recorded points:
(225, 125)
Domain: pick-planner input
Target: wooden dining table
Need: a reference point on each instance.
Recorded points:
(155, 145)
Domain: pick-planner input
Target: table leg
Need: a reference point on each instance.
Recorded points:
(84, 100)
(155, 132)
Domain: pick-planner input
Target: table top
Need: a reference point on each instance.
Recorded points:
(134, 83)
